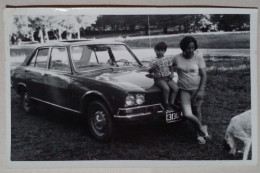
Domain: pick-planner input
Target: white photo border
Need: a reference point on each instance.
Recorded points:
(9, 12)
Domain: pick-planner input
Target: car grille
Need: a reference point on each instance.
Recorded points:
(152, 98)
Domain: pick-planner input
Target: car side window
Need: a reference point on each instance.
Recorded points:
(59, 59)
(42, 57)
(103, 55)
(82, 57)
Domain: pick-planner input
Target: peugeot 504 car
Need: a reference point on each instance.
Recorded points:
(104, 82)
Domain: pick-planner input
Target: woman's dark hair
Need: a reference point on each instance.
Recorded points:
(186, 41)
(160, 46)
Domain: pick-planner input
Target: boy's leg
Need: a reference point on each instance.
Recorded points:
(174, 89)
(165, 90)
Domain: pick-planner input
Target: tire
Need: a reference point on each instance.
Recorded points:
(27, 103)
(100, 121)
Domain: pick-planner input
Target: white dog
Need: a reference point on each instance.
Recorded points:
(239, 129)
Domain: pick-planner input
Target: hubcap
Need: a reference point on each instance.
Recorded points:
(99, 121)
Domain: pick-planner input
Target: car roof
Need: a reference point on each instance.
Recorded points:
(79, 42)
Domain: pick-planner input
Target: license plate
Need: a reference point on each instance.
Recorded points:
(172, 116)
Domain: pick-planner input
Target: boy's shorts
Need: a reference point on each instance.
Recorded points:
(194, 102)
(166, 78)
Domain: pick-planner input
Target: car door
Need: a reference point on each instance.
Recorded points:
(58, 77)
(35, 71)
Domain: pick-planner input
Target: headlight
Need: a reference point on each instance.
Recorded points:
(130, 100)
(139, 99)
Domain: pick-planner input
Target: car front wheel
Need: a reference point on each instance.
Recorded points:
(100, 121)
(27, 103)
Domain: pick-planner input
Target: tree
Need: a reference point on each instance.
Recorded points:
(40, 25)
(205, 24)
(21, 26)
(114, 21)
(229, 22)
(85, 21)
(164, 21)
(117, 22)
(190, 22)
(58, 24)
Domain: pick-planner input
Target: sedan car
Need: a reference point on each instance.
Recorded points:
(104, 82)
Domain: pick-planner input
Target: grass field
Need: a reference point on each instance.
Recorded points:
(52, 134)
(207, 41)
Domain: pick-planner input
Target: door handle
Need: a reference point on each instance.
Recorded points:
(26, 71)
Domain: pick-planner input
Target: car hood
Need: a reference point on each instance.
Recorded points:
(131, 80)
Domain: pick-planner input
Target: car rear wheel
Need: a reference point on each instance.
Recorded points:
(100, 121)
(27, 103)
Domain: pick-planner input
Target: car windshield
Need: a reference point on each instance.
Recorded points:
(90, 57)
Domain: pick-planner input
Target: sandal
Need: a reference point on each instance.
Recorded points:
(201, 140)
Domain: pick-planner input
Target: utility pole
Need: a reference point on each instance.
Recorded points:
(149, 31)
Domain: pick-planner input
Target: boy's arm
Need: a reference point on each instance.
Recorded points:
(152, 67)
(150, 70)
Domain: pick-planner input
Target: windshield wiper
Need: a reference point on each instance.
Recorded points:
(88, 66)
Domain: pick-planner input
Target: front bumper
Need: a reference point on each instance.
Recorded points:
(140, 114)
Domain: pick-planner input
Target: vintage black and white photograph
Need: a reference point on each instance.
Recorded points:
(133, 84)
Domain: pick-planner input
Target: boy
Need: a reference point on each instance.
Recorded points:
(162, 70)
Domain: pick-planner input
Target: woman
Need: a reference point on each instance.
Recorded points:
(191, 70)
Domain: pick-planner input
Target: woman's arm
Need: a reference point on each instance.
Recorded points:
(152, 66)
(173, 66)
(202, 85)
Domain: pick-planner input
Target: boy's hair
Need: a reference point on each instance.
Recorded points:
(160, 46)
(186, 41)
